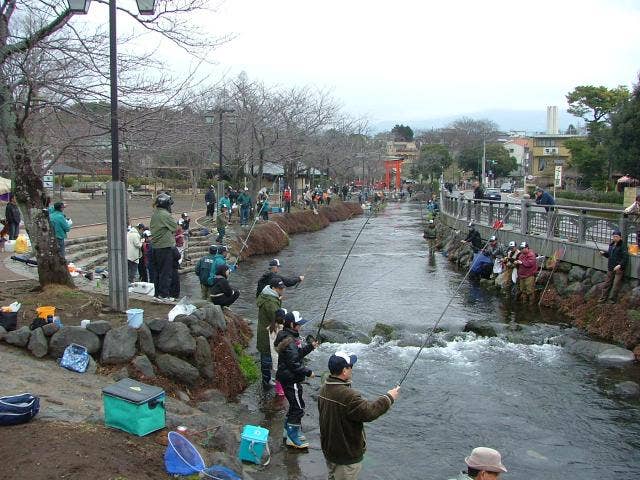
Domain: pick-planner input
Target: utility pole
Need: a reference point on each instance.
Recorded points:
(483, 181)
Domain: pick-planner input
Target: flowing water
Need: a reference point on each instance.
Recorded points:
(550, 413)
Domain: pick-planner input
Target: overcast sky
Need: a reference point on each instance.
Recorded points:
(419, 59)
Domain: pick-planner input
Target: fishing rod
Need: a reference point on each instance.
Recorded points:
(433, 329)
(244, 242)
(553, 270)
(340, 272)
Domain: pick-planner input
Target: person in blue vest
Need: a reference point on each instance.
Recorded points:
(203, 270)
(61, 225)
(225, 201)
(482, 265)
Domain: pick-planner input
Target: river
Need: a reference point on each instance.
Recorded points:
(550, 413)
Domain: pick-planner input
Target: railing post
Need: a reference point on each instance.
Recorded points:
(582, 227)
(468, 210)
(623, 227)
(490, 213)
(524, 217)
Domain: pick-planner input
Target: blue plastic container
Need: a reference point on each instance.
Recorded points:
(135, 317)
(253, 443)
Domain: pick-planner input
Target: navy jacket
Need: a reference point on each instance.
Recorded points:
(617, 255)
(290, 367)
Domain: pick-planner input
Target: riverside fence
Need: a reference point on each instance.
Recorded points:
(578, 232)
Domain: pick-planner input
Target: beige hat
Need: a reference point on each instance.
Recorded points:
(487, 459)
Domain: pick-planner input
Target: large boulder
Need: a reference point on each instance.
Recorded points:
(38, 343)
(73, 334)
(597, 276)
(560, 281)
(576, 274)
(480, 328)
(627, 389)
(575, 288)
(634, 296)
(214, 316)
(177, 369)
(200, 328)
(387, 332)
(615, 355)
(19, 337)
(156, 325)
(119, 345)
(3, 332)
(564, 267)
(49, 329)
(145, 341)
(99, 327)
(143, 366)
(203, 358)
(176, 338)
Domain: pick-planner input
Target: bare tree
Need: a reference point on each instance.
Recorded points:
(53, 89)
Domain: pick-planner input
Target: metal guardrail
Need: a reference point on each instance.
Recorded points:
(579, 225)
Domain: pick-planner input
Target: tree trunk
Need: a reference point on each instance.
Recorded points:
(31, 199)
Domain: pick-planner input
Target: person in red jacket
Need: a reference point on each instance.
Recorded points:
(286, 196)
(527, 267)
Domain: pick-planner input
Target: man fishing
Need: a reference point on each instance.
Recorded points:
(269, 301)
(527, 267)
(473, 238)
(274, 273)
(617, 259)
(343, 412)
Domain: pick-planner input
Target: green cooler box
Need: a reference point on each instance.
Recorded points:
(134, 407)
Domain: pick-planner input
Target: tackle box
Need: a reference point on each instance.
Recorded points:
(134, 407)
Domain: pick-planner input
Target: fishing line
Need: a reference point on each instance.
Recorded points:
(340, 272)
(433, 329)
(553, 270)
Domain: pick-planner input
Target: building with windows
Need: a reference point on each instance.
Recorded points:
(547, 152)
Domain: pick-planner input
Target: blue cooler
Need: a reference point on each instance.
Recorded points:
(253, 442)
(134, 407)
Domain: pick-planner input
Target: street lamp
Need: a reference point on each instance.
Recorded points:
(210, 118)
(116, 192)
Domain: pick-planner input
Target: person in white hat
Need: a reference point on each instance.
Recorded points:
(508, 265)
(483, 464)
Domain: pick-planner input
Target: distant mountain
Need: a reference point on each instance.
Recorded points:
(529, 121)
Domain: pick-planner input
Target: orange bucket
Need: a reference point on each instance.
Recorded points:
(44, 312)
(634, 249)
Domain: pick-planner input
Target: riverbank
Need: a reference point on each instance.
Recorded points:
(570, 289)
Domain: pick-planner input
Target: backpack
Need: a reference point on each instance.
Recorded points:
(204, 269)
(217, 261)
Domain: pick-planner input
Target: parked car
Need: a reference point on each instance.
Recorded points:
(492, 194)
(506, 187)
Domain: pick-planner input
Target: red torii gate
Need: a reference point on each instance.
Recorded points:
(390, 165)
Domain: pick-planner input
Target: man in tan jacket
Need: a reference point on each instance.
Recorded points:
(343, 412)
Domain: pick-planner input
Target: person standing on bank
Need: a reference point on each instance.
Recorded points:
(269, 300)
(163, 230)
(12, 216)
(617, 262)
(210, 201)
(291, 373)
(473, 238)
(343, 412)
(134, 245)
(286, 197)
(527, 267)
(221, 223)
(61, 225)
(142, 268)
(244, 200)
(273, 273)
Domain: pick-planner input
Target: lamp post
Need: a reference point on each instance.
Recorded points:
(116, 192)
(210, 119)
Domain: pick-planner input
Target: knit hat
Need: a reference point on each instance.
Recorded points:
(274, 263)
(277, 283)
(617, 232)
(524, 245)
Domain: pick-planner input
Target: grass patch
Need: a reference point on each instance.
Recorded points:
(593, 196)
(247, 364)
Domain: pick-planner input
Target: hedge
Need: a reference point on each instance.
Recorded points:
(592, 196)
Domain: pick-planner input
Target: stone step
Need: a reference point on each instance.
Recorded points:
(80, 255)
(80, 247)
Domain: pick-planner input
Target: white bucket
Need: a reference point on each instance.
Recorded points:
(135, 317)
(84, 323)
(10, 246)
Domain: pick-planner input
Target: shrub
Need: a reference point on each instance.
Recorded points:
(247, 364)
(592, 196)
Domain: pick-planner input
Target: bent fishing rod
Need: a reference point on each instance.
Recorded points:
(433, 329)
(340, 272)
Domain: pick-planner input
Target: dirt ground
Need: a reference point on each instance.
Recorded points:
(72, 306)
(79, 451)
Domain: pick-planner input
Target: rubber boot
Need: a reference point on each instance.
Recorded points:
(293, 437)
(300, 434)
